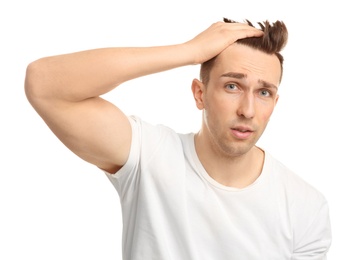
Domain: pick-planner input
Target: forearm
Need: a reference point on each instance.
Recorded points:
(86, 74)
(82, 75)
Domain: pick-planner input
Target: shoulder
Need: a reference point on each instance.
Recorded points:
(293, 182)
(150, 144)
(147, 134)
(144, 128)
(154, 140)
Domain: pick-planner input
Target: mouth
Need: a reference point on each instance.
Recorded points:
(242, 129)
(242, 132)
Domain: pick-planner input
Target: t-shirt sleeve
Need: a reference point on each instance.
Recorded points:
(127, 174)
(148, 142)
(313, 234)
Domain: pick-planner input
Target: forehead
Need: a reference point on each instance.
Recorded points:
(256, 64)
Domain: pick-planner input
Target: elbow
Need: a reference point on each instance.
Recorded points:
(34, 81)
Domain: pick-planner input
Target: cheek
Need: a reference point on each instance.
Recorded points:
(215, 111)
(265, 113)
(220, 107)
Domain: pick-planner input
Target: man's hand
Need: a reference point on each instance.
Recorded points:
(217, 38)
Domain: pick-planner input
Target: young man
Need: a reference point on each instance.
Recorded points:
(210, 195)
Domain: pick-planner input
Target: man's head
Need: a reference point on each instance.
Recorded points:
(238, 91)
(272, 42)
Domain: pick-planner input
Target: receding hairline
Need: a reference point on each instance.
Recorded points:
(272, 42)
(206, 78)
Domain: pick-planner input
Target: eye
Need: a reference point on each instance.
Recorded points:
(231, 86)
(265, 93)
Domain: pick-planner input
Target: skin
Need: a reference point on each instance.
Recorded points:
(241, 95)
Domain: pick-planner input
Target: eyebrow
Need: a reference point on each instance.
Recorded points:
(238, 75)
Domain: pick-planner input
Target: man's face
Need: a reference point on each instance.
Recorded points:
(239, 99)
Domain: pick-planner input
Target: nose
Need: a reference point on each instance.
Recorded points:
(246, 106)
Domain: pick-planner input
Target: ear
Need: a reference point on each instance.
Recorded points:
(277, 97)
(197, 87)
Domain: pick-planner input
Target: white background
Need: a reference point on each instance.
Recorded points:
(56, 206)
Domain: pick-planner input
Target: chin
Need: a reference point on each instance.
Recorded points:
(235, 151)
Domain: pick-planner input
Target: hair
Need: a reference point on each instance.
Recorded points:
(273, 41)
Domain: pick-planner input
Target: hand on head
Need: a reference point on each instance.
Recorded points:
(218, 37)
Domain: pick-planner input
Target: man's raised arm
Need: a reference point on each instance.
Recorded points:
(65, 90)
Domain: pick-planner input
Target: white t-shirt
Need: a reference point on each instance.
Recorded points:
(173, 210)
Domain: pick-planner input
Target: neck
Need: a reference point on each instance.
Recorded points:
(237, 171)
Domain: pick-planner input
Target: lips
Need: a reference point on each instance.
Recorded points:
(242, 132)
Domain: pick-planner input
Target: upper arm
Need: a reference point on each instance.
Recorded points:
(68, 101)
(94, 129)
